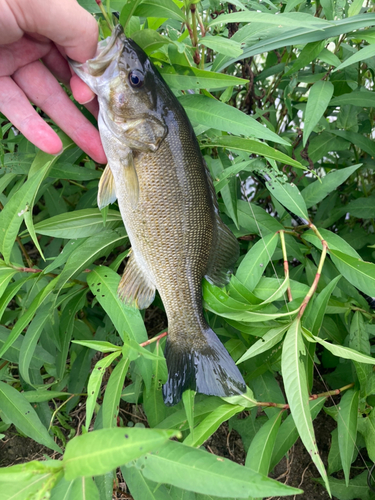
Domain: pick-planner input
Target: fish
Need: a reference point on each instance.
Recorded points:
(168, 204)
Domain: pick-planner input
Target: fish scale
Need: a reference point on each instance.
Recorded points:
(169, 208)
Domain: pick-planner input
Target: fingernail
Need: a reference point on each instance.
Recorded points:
(91, 99)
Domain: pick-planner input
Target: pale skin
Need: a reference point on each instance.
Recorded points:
(35, 37)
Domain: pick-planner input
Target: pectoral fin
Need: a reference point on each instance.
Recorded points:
(106, 189)
(131, 180)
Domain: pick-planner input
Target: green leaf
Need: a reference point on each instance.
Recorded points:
(347, 429)
(103, 283)
(362, 98)
(98, 345)
(25, 319)
(310, 52)
(127, 12)
(19, 411)
(319, 97)
(318, 190)
(142, 489)
(320, 306)
(251, 146)
(211, 423)
(365, 53)
(188, 401)
(82, 488)
(270, 339)
(343, 352)
(90, 250)
(222, 45)
(159, 8)
(94, 383)
(334, 241)
(259, 455)
(256, 260)
(289, 196)
(363, 208)
(288, 434)
(78, 224)
(99, 452)
(185, 78)
(44, 395)
(295, 383)
(30, 340)
(196, 470)
(359, 273)
(358, 488)
(366, 426)
(112, 395)
(281, 20)
(6, 274)
(220, 116)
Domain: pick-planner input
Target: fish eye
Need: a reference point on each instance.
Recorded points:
(136, 79)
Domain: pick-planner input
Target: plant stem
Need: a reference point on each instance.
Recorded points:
(316, 280)
(105, 14)
(154, 339)
(25, 254)
(286, 265)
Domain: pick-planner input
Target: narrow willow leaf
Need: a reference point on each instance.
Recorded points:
(99, 452)
(295, 383)
(252, 146)
(255, 219)
(347, 429)
(318, 190)
(185, 77)
(363, 208)
(103, 283)
(202, 472)
(259, 455)
(319, 97)
(6, 274)
(188, 401)
(362, 98)
(359, 273)
(142, 489)
(222, 45)
(94, 383)
(320, 306)
(78, 224)
(359, 341)
(360, 140)
(289, 196)
(98, 345)
(211, 423)
(19, 411)
(270, 339)
(288, 434)
(40, 357)
(343, 352)
(25, 319)
(358, 488)
(90, 250)
(178, 420)
(44, 395)
(256, 260)
(310, 52)
(30, 340)
(112, 395)
(127, 12)
(159, 8)
(288, 20)
(365, 53)
(334, 241)
(220, 116)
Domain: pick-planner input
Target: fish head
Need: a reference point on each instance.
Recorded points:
(126, 84)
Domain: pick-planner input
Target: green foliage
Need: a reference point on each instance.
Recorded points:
(280, 95)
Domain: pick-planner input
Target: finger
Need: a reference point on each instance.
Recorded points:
(43, 90)
(16, 107)
(65, 22)
(22, 52)
(82, 93)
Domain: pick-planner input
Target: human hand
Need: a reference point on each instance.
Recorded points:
(32, 31)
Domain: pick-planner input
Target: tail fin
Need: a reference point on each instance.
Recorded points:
(208, 369)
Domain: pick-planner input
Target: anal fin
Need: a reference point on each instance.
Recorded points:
(136, 288)
(106, 189)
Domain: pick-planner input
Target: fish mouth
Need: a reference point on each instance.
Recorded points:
(108, 52)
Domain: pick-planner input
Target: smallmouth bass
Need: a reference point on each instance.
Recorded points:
(168, 204)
